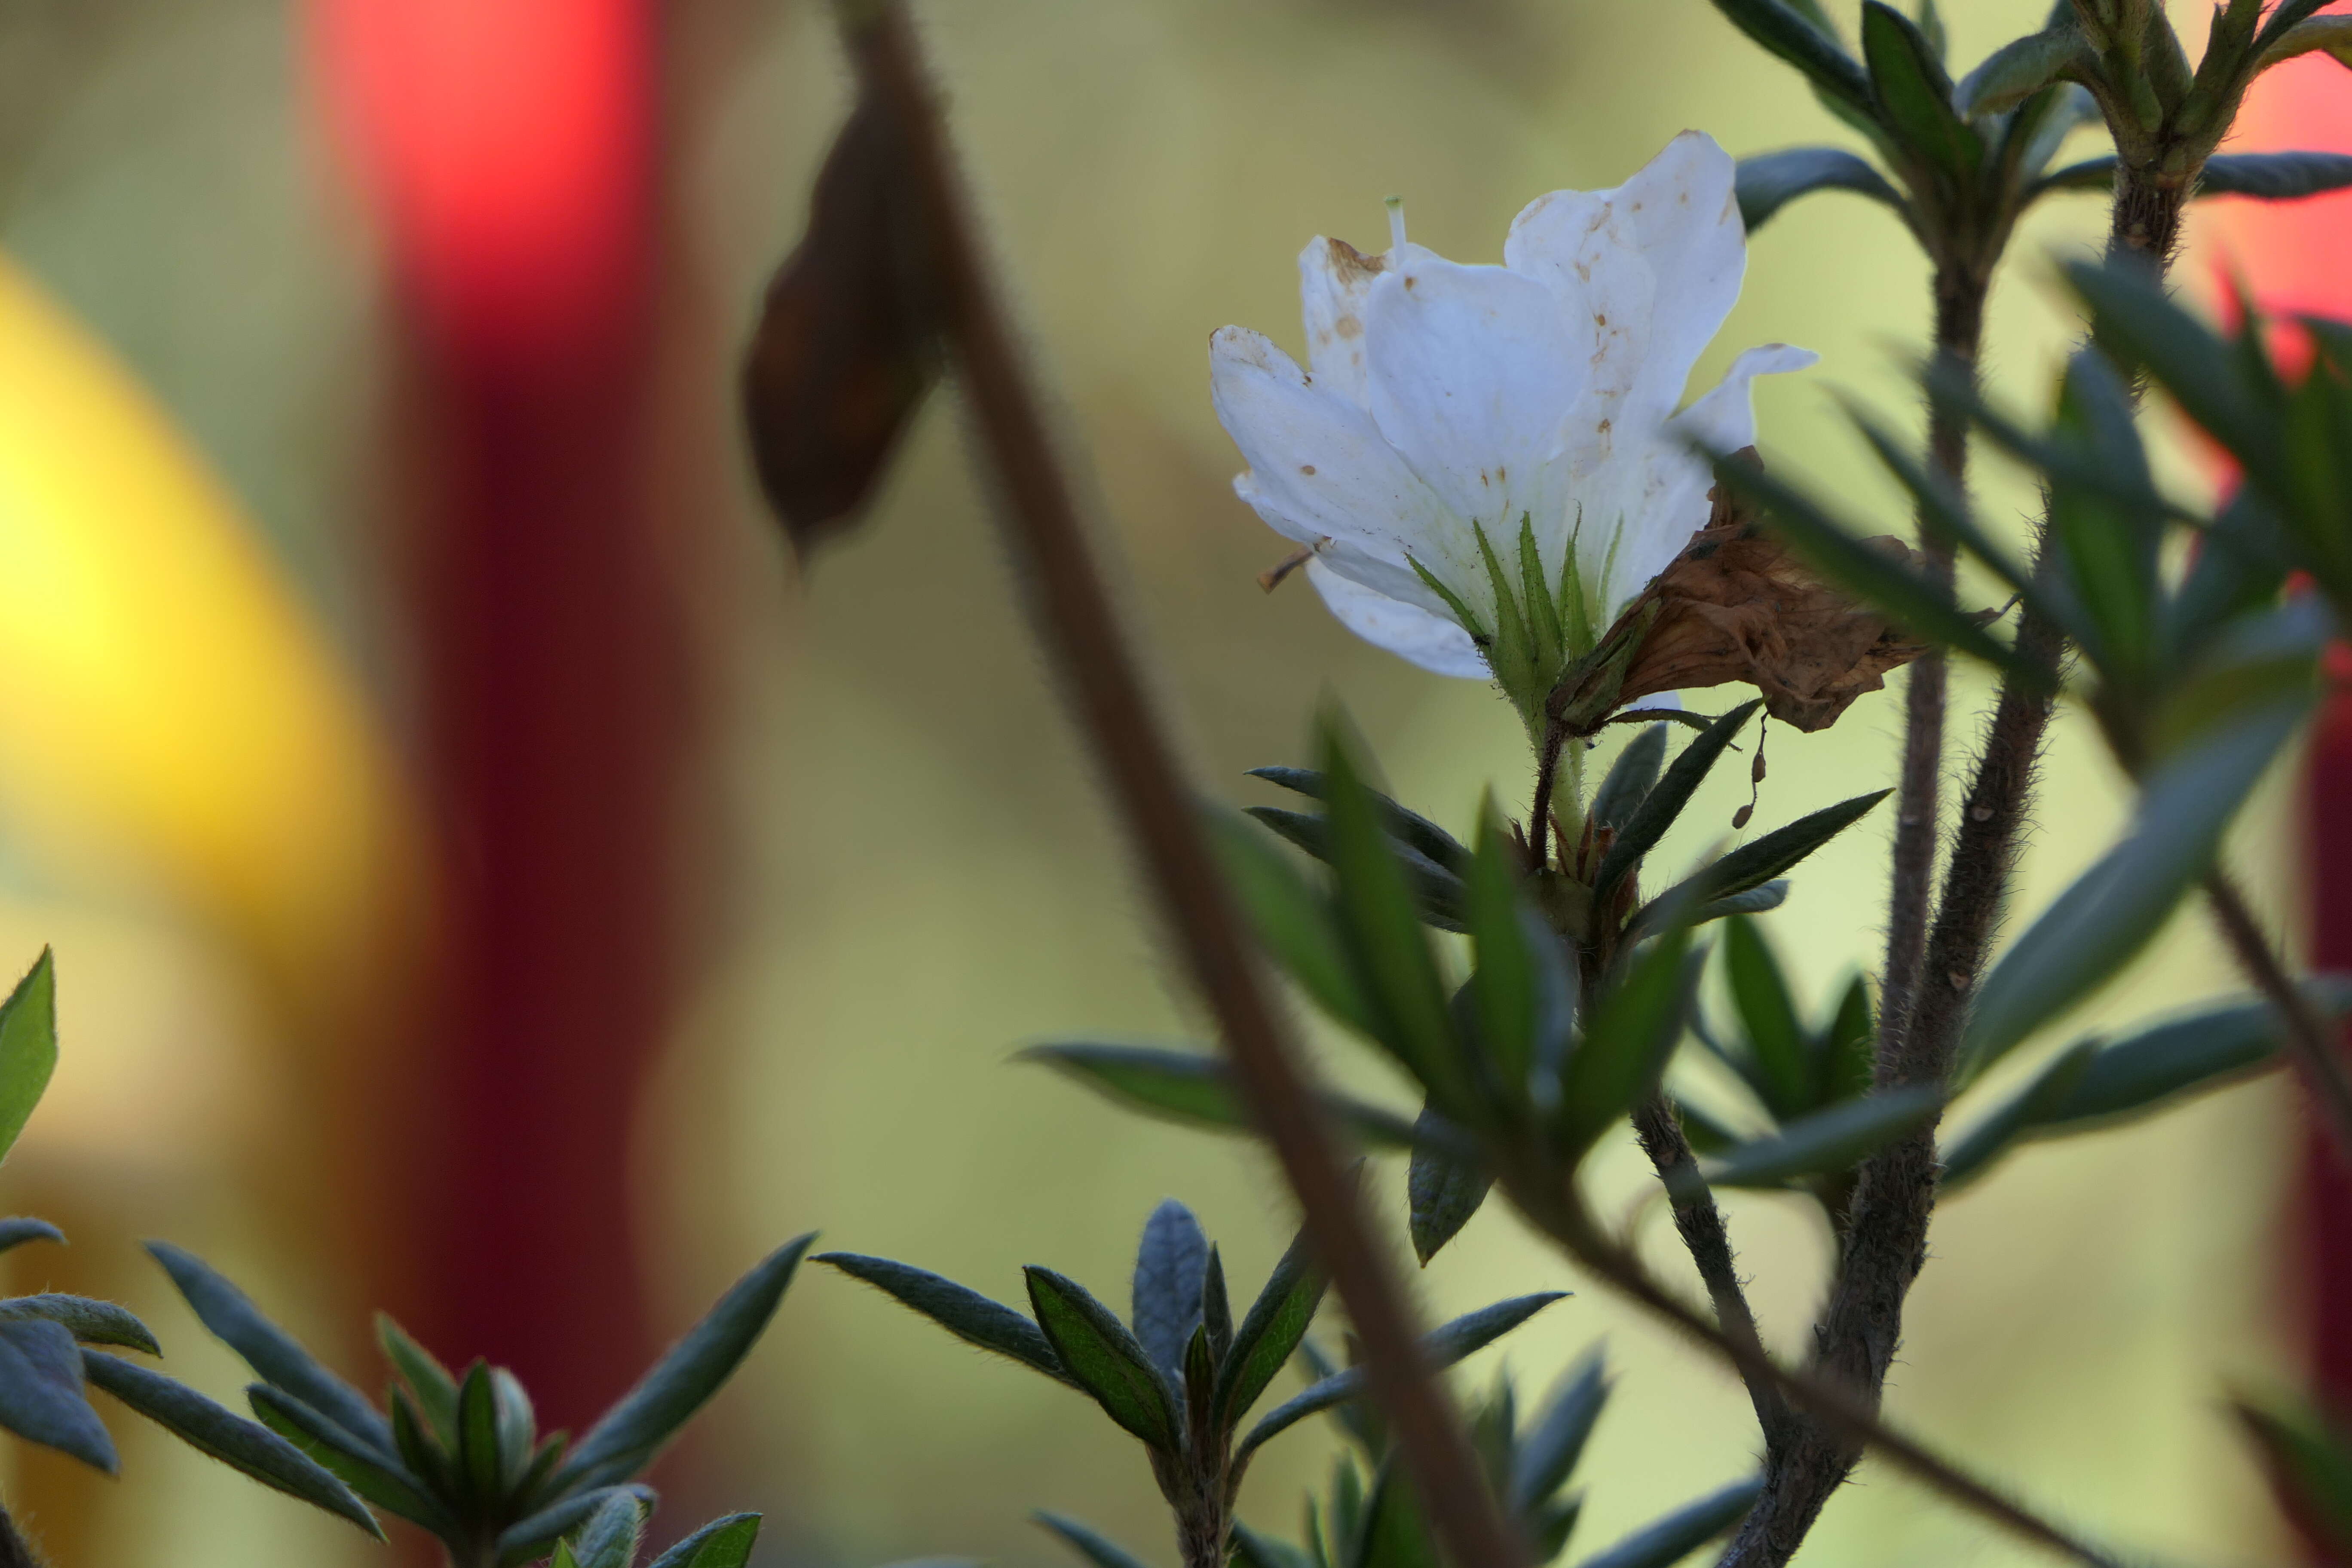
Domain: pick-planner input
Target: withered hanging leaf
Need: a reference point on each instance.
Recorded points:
(846, 344)
(1735, 606)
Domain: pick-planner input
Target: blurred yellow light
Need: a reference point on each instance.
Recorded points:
(168, 711)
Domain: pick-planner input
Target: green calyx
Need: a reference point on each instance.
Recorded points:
(1541, 628)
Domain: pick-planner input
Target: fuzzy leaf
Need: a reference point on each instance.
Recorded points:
(1465, 1336)
(1770, 181)
(1442, 1194)
(723, 1543)
(1103, 1359)
(376, 1478)
(1665, 801)
(1683, 1531)
(2100, 924)
(1437, 891)
(274, 1355)
(2022, 68)
(1629, 1035)
(91, 1322)
(1777, 1043)
(1913, 93)
(1548, 1453)
(1786, 32)
(244, 1446)
(625, 1437)
(527, 1540)
(19, 1229)
(41, 1397)
(1293, 919)
(434, 1389)
(1395, 1534)
(609, 1539)
(1268, 1334)
(1828, 1143)
(964, 1312)
(1198, 1090)
(1631, 777)
(1415, 831)
(1089, 1543)
(28, 1046)
(1172, 1264)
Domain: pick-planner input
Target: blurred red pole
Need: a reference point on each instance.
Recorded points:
(2294, 257)
(507, 148)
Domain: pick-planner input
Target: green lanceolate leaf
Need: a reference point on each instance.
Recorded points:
(434, 1389)
(1631, 777)
(1777, 1044)
(19, 1230)
(1683, 1531)
(1629, 1035)
(1754, 864)
(481, 1469)
(723, 1543)
(28, 1046)
(625, 1437)
(1409, 827)
(964, 1312)
(377, 1478)
(1268, 1334)
(1105, 1359)
(1172, 1264)
(1293, 919)
(1442, 1192)
(2097, 925)
(1786, 32)
(609, 1539)
(1913, 93)
(413, 1443)
(2022, 68)
(1827, 1142)
(527, 1540)
(244, 1446)
(1547, 1453)
(1754, 901)
(91, 1322)
(273, 1354)
(2137, 318)
(1216, 1306)
(41, 1397)
(1463, 1337)
(1991, 1134)
(1087, 1541)
(1770, 181)
(1392, 961)
(517, 1427)
(1665, 799)
(1437, 891)
(1394, 1533)
(1252, 1549)
(1523, 989)
(1198, 1090)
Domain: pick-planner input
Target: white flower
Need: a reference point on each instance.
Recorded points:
(1485, 460)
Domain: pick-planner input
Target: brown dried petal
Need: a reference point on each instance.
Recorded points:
(846, 347)
(1736, 606)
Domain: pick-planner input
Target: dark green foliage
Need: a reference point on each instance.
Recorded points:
(1182, 1378)
(241, 1444)
(460, 1456)
(1681, 1532)
(1827, 1142)
(1665, 801)
(609, 1537)
(1770, 181)
(724, 1542)
(1199, 1091)
(91, 1322)
(19, 1229)
(1761, 860)
(41, 1397)
(28, 1046)
(1442, 1194)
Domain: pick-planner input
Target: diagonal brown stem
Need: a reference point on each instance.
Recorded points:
(2309, 1035)
(1075, 619)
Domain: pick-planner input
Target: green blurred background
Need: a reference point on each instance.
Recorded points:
(904, 869)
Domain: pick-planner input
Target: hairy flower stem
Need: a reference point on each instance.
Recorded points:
(1700, 1225)
(1075, 619)
(2309, 1037)
(1886, 1230)
(1960, 328)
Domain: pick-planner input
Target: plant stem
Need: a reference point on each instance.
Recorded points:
(1075, 619)
(1960, 293)
(1827, 1403)
(2308, 1035)
(1700, 1225)
(1886, 1231)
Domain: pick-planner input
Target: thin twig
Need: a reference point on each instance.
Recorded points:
(1828, 1403)
(1700, 1224)
(1555, 736)
(2308, 1035)
(1077, 620)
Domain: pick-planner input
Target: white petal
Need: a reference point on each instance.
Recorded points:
(1579, 245)
(1333, 279)
(1319, 466)
(1406, 630)
(1660, 492)
(1685, 219)
(1472, 376)
(1725, 419)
